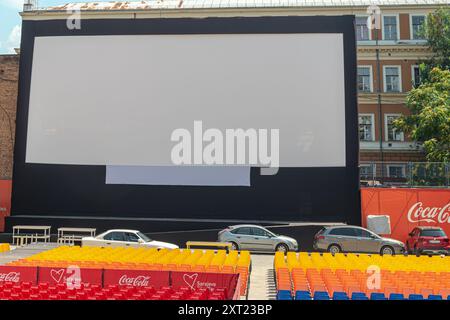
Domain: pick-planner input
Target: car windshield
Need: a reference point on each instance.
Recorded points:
(432, 233)
(144, 237)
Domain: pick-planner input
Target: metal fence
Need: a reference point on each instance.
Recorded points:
(404, 174)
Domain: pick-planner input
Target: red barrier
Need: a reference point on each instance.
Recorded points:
(196, 280)
(18, 274)
(5, 201)
(70, 275)
(407, 208)
(104, 277)
(136, 278)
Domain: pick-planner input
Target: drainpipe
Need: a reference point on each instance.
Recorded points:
(380, 108)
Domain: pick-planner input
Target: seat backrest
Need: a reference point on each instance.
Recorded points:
(396, 296)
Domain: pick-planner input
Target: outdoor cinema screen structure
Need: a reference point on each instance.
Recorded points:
(98, 106)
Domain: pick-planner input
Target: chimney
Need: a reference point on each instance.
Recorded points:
(29, 5)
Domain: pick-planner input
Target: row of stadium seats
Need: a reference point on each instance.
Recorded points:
(322, 295)
(293, 277)
(196, 260)
(44, 291)
(139, 257)
(352, 261)
(4, 247)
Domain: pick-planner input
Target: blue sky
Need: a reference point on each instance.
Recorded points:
(10, 21)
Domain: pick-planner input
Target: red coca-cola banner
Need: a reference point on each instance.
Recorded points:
(18, 274)
(136, 278)
(71, 275)
(5, 201)
(407, 208)
(196, 280)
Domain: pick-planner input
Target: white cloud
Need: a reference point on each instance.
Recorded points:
(13, 40)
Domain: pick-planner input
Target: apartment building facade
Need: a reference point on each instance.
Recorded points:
(388, 58)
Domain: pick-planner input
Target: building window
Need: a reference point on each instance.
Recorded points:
(392, 79)
(392, 133)
(365, 79)
(362, 31)
(367, 171)
(366, 127)
(417, 23)
(415, 75)
(390, 28)
(396, 171)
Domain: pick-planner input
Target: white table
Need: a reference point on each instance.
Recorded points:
(21, 238)
(70, 235)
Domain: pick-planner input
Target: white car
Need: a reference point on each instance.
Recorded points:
(125, 238)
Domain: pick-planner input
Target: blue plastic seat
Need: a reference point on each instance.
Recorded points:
(415, 297)
(448, 297)
(434, 297)
(377, 296)
(359, 296)
(396, 296)
(284, 295)
(321, 295)
(340, 296)
(302, 295)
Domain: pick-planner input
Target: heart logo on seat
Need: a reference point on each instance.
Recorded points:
(190, 279)
(57, 274)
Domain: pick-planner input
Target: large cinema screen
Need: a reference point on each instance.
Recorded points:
(98, 108)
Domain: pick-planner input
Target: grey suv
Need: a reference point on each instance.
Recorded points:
(355, 239)
(256, 238)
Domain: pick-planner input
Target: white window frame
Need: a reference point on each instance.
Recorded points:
(413, 75)
(370, 77)
(396, 165)
(372, 116)
(397, 17)
(399, 78)
(386, 132)
(367, 165)
(411, 25)
(370, 30)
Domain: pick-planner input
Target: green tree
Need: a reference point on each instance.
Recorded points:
(429, 121)
(437, 32)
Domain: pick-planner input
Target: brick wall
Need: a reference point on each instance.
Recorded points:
(389, 156)
(9, 71)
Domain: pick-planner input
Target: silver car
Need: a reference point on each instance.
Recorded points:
(355, 239)
(256, 238)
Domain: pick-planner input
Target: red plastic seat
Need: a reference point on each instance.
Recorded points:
(43, 285)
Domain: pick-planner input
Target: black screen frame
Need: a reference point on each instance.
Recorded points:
(294, 194)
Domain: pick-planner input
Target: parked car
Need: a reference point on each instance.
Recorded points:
(256, 238)
(355, 239)
(125, 238)
(428, 240)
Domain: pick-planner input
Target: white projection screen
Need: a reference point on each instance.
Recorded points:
(116, 99)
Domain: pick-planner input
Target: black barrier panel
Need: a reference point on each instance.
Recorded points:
(294, 194)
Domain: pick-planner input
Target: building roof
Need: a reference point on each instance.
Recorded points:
(215, 4)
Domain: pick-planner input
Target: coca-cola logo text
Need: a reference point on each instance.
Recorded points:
(10, 277)
(139, 281)
(419, 213)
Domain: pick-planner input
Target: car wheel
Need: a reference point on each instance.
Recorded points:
(234, 246)
(282, 247)
(334, 248)
(388, 250)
